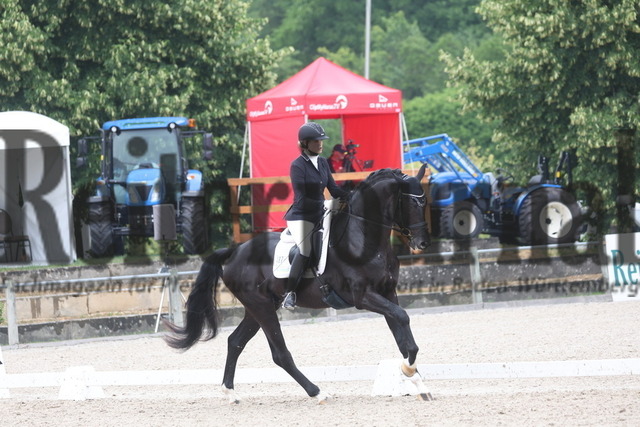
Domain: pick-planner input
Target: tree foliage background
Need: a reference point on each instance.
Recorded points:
(508, 79)
(569, 81)
(526, 78)
(406, 39)
(83, 63)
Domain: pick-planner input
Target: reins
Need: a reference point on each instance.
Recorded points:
(405, 231)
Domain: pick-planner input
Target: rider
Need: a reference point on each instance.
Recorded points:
(310, 175)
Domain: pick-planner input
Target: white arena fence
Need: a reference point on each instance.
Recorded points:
(171, 281)
(83, 382)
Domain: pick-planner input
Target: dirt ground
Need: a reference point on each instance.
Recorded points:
(553, 332)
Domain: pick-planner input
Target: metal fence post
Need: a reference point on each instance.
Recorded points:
(604, 266)
(476, 276)
(175, 299)
(12, 318)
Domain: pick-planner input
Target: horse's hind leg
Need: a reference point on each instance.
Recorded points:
(280, 353)
(238, 339)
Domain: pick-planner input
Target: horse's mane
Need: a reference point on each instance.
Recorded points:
(380, 175)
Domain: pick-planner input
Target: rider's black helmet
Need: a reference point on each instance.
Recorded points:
(311, 131)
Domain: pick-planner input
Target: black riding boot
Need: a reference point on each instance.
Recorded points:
(298, 266)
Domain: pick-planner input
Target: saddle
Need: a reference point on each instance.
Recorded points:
(286, 248)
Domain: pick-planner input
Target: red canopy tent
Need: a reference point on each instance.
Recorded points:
(371, 117)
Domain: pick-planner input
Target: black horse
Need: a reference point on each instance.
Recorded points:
(361, 270)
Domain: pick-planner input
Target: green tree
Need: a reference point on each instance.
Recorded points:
(400, 55)
(438, 17)
(441, 112)
(312, 27)
(344, 57)
(83, 63)
(309, 25)
(569, 81)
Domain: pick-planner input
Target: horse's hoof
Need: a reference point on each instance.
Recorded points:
(408, 370)
(323, 398)
(427, 397)
(231, 395)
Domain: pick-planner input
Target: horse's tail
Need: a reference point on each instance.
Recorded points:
(201, 306)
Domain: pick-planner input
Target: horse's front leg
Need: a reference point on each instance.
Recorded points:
(404, 342)
(398, 322)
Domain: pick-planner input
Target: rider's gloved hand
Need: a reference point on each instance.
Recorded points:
(346, 197)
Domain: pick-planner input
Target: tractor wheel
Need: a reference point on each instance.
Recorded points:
(461, 220)
(508, 237)
(101, 230)
(194, 229)
(435, 222)
(549, 216)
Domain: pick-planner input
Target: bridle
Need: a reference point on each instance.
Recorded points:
(404, 230)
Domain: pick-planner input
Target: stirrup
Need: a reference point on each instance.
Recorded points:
(289, 302)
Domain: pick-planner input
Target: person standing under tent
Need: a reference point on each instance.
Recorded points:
(336, 160)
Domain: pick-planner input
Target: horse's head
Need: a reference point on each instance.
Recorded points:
(410, 214)
(387, 200)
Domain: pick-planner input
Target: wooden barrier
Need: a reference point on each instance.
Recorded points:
(237, 210)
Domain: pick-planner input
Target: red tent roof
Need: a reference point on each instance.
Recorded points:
(324, 90)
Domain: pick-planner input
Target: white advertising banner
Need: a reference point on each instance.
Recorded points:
(623, 265)
(35, 184)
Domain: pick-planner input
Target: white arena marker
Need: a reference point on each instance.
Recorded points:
(82, 383)
(547, 369)
(78, 384)
(4, 390)
(390, 381)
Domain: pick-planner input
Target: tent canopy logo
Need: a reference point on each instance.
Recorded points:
(268, 109)
(293, 106)
(340, 103)
(383, 103)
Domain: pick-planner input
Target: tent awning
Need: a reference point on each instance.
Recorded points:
(324, 90)
(370, 113)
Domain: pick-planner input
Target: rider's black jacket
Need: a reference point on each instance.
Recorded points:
(308, 189)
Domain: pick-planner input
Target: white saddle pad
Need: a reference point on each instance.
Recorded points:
(281, 264)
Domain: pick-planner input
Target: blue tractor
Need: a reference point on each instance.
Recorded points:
(144, 164)
(466, 201)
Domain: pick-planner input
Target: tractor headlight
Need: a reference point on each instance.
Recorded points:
(144, 193)
(155, 195)
(134, 195)
(145, 186)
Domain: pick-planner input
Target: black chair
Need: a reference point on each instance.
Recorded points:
(7, 239)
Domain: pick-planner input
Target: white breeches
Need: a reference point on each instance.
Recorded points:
(301, 232)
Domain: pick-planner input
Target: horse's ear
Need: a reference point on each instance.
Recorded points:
(421, 172)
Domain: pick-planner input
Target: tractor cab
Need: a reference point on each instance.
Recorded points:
(141, 160)
(144, 165)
